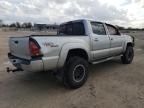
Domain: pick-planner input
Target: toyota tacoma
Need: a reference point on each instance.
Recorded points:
(77, 44)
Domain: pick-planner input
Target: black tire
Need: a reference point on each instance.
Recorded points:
(128, 56)
(75, 72)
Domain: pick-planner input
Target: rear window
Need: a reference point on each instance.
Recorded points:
(73, 28)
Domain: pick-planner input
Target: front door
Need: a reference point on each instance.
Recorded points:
(100, 41)
(116, 40)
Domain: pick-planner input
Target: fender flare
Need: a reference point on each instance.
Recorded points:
(69, 46)
(128, 39)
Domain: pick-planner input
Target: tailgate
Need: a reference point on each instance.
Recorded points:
(19, 47)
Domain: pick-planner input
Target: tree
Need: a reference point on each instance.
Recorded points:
(5, 25)
(1, 22)
(12, 25)
(24, 25)
(18, 25)
(27, 25)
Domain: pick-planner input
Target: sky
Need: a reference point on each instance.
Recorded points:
(127, 13)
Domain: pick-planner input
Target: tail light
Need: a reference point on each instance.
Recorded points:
(34, 48)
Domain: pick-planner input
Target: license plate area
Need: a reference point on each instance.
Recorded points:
(16, 60)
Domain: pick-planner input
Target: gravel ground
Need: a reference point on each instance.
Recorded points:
(110, 84)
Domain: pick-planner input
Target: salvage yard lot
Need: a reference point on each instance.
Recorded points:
(110, 84)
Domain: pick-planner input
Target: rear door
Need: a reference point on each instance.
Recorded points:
(116, 40)
(100, 41)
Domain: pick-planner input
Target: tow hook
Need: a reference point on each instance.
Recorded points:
(13, 70)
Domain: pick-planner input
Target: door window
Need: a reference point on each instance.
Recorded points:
(98, 28)
(112, 30)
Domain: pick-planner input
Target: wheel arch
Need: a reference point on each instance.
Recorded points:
(128, 44)
(77, 52)
(73, 49)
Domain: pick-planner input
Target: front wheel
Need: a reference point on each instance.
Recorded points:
(75, 72)
(128, 56)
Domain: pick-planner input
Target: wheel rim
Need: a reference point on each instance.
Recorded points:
(78, 73)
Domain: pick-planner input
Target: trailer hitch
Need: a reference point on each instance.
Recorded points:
(13, 70)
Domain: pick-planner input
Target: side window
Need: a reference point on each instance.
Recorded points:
(66, 29)
(78, 28)
(69, 29)
(62, 30)
(98, 28)
(112, 30)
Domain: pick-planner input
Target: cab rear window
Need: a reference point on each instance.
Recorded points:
(73, 28)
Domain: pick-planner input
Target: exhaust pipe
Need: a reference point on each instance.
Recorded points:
(13, 70)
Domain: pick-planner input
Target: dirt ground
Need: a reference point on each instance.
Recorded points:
(110, 84)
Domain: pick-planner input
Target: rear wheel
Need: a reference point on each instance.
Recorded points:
(75, 72)
(128, 56)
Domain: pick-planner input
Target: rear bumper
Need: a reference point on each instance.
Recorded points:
(33, 65)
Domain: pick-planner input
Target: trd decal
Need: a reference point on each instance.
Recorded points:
(51, 44)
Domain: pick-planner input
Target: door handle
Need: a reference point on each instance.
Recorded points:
(96, 39)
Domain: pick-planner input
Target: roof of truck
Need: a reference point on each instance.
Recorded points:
(78, 20)
(92, 20)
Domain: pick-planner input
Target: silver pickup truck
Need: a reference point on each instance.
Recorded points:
(77, 44)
